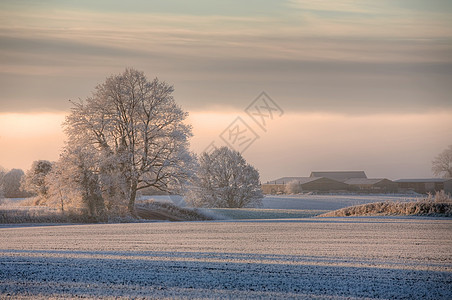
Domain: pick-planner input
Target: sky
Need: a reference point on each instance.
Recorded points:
(349, 85)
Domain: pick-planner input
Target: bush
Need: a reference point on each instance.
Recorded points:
(224, 180)
(293, 187)
(11, 185)
(438, 205)
(168, 211)
(42, 215)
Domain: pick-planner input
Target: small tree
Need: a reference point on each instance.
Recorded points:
(34, 179)
(442, 164)
(224, 179)
(58, 188)
(293, 187)
(11, 184)
(2, 174)
(74, 182)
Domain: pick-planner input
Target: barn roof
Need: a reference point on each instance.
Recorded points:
(363, 181)
(286, 180)
(340, 175)
(424, 180)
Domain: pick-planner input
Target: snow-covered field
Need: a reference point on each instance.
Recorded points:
(350, 258)
(308, 202)
(330, 202)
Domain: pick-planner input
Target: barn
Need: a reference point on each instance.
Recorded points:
(423, 186)
(373, 185)
(339, 175)
(320, 184)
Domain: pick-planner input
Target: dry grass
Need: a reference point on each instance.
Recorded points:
(16, 211)
(438, 205)
(32, 210)
(41, 215)
(167, 211)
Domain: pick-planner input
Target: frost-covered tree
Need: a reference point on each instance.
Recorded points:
(293, 187)
(11, 184)
(138, 133)
(34, 179)
(225, 179)
(74, 182)
(442, 164)
(2, 174)
(3, 171)
(59, 188)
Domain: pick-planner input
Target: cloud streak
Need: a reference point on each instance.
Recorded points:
(340, 56)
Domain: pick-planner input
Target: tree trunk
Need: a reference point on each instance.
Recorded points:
(62, 202)
(133, 194)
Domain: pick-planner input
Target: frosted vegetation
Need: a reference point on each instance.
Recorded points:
(293, 187)
(442, 164)
(224, 179)
(438, 205)
(129, 135)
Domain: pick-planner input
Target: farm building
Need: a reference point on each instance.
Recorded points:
(273, 189)
(424, 186)
(379, 185)
(307, 184)
(340, 175)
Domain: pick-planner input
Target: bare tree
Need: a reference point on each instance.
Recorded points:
(11, 184)
(138, 132)
(442, 164)
(224, 179)
(34, 179)
(59, 191)
(3, 171)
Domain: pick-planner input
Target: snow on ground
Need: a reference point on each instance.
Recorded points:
(257, 213)
(330, 202)
(273, 207)
(307, 201)
(337, 258)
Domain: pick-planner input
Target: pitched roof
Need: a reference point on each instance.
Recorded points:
(363, 181)
(420, 180)
(286, 180)
(340, 175)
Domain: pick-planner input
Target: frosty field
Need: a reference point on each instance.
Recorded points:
(330, 202)
(292, 206)
(338, 258)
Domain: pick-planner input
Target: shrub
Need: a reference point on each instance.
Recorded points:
(293, 187)
(168, 211)
(224, 180)
(438, 205)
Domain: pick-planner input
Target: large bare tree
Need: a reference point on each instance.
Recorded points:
(442, 164)
(138, 131)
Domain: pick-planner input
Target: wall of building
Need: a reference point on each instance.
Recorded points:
(448, 187)
(386, 186)
(426, 187)
(273, 189)
(325, 184)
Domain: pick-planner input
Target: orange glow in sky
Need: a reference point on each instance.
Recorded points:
(364, 85)
(391, 146)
